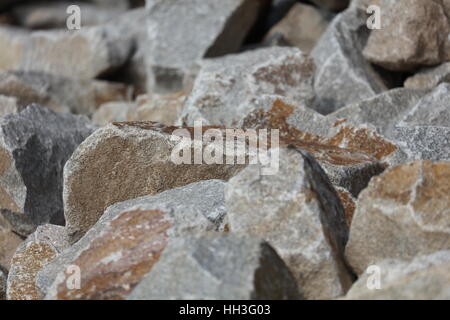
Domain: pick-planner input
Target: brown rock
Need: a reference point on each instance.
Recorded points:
(164, 109)
(3, 279)
(9, 241)
(348, 202)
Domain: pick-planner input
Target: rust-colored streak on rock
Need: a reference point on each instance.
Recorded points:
(349, 205)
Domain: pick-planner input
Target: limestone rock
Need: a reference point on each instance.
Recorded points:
(193, 29)
(224, 267)
(298, 212)
(129, 238)
(3, 279)
(226, 88)
(401, 214)
(9, 241)
(428, 78)
(35, 144)
(334, 5)
(39, 249)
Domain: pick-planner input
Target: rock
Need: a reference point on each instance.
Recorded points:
(9, 105)
(3, 279)
(38, 250)
(343, 75)
(348, 203)
(334, 5)
(126, 160)
(9, 241)
(417, 37)
(61, 93)
(401, 214)
(428, 78)
(193, 30)
(129, 238)
(226, 88)
(299, 213)
(164, 109)
(115, 112)
(302, 27)
(223, 267)
(34, 145)
(423, 278)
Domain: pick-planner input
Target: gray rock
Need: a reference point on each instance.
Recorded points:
(35, 144)
(182, 32)
(335, 5)
(9, 241)
(223, 267)
(227, 88)
(9, 105)
(127, 241)
(299, 213)
(428, 78)
(3, 279)
(343, 75)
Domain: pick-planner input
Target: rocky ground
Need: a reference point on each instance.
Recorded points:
(92, 205)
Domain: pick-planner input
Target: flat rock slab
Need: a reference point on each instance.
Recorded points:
(224, 267)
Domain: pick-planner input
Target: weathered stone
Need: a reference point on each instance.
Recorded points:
(401, 214)
(193, 29)
(34, 145)
(3, 279)
(226, 88)
(343, 75)
(335, 5)
(115, 112)
(299, 213)
(123, 161)
(9, 105)
(348, 203)
(302, 27)
(220, 267)
(39, 249)
(428, 78)
(164, 109)
(129, 238)
(9, 241)
(423, 278)
(413, 34)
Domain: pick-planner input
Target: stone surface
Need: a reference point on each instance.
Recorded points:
(129, 238)
(39, 249)
(348, 203)
(416, 37)
(428, 78)
(193, 29)
(3, 279)
(423, 278)
(123, 161)
(9, 241)
(223, 267)
(9, 105)
(160, 108)
(401, 214)
(34, 145)
(226, 88)
(299, 213)
(334, 5)
(115, 112)
(343, 75)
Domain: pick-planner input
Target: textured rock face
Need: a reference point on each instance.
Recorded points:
(130, 237)
(423, 278)
(299, 213)
(34, 145)
(416, 37)
(240, 268)
(193, 29)
(402, 213)
(348, 203)
(3, 278)
(428, 78)
(9, 105)
(343, 75)
(9, 241)
(115, 112)
(39, 249)
(226, 88)
(123, 161)
(164, 109)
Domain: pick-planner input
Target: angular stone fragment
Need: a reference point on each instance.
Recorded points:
(423, 278)
(348, 203)
(3, 279)
(224, 267)
(115, 112)
(343, 75)
(226, 88)
(129, 238)
(39, 249)
(9, 241)
(299, 213)
(413, 34)
(34, 145)
(193, 29)
(126, 160)
(401, 214)
(428, 78)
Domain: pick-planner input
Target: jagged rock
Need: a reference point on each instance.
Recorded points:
(334, 5)
(302, 27)
(39, 249)
(34, 145)
(164, 109)
(3, 279)
(115, 112)
(126, 160)
(428, 78)
(9, 241)
(226, 88)
(348, 203)
(417, 37)
(423, 278)
(343, 75)
(193, 29)
(401, 214)
(220, 267)
(129, 238)
(299, 213)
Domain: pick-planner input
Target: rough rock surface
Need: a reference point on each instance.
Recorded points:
(39, 249)
(3, 279)
(129, 238)
(162, 108)
(224, 267)
(428, 78)
(226, 88)
(9, 241)
(402, 213)
(299, 213)
(348, 203)
(115, 112)
(34, 145)
(9, 105)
